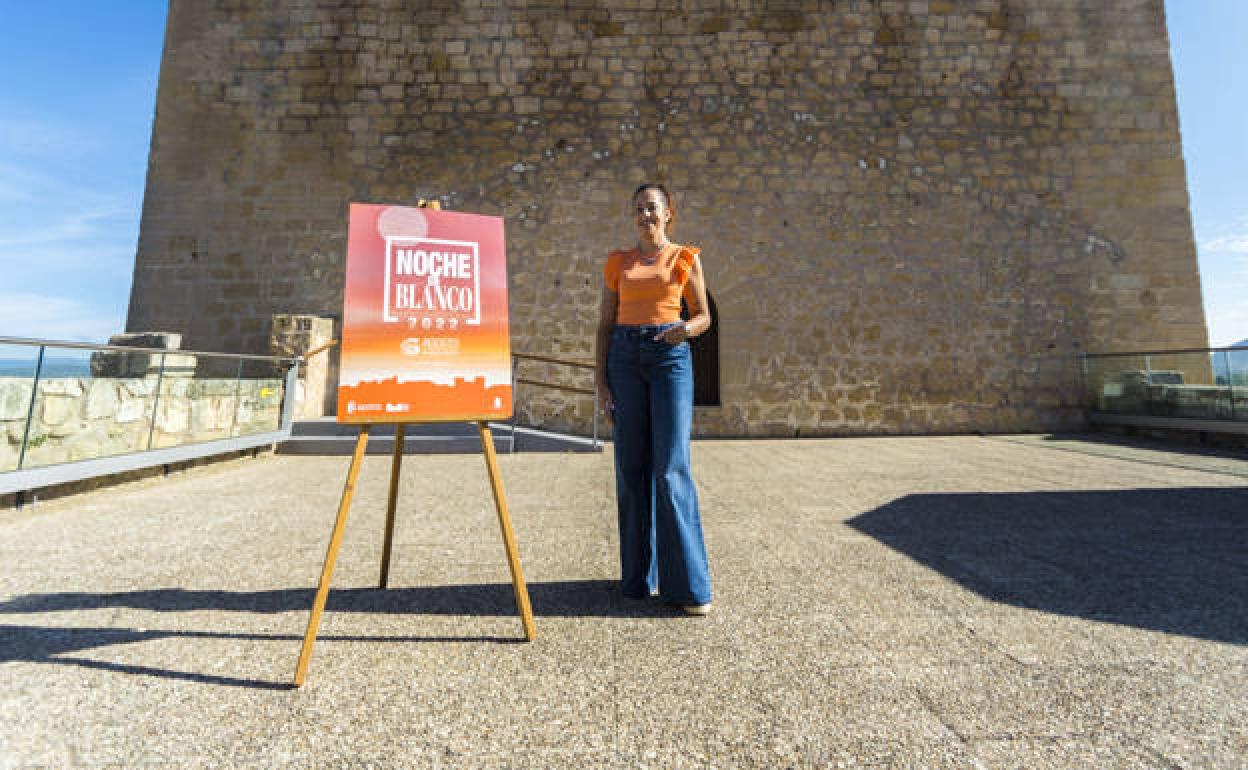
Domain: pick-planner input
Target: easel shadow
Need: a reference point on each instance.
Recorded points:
(58, 645)
(559, 598)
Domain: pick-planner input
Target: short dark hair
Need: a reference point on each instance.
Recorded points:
(667, 198)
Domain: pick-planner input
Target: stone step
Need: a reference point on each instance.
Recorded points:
(326, 436)
(328, 426)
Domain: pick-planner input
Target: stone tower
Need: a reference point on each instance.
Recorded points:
(914, 214)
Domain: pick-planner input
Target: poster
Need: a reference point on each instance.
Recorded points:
(424, 322)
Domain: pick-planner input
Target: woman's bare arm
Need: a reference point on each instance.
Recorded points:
(607, 309)
(699, 310)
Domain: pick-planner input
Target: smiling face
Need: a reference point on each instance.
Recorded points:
(652, 215)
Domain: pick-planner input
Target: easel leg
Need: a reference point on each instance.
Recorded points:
(331, 556)
(509, 537)
(396, 464)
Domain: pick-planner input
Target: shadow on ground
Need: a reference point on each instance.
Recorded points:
(1173, 447)
(1172, 560)
(565, 598)
(57, 645)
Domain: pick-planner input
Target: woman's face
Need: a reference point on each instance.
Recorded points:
(651, 215)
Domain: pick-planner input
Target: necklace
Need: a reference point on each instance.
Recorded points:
(649, 259)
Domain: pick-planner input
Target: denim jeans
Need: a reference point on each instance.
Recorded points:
(660, 529)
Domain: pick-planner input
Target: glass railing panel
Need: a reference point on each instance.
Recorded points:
(1117, 383)
(1201, 384)
(87, 405)
(261, 388)
(1184, 385)
(76, 402)
(17, 385)
(197, 399)
(1237, 382)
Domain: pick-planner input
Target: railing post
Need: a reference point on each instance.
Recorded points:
(511, 449)
(238, 397)
(1230, 381)
(595, 408)
(1088, 400)
(51, 465)
(160, 378)
(288, 396)
(30, 409)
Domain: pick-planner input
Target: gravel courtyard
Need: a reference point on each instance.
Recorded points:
(943, 602)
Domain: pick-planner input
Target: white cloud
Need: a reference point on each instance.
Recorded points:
(1231, 244)
(1225, 236)
(1227, 325)
(57, 318)
(18, 182)
(86, 224)
(51, 225)
(70, 196)
(32, 136)
(1223, 251)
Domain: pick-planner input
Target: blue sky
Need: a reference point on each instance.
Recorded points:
(1210, 61)
(78, 95)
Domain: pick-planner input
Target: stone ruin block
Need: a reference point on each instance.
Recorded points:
(140, 364)
(297, 335)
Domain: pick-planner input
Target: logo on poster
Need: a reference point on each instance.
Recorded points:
(432, 282)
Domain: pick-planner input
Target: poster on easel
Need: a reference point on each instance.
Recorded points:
(425, 336)
(424, 339)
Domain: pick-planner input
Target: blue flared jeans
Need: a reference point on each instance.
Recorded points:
(660, 528)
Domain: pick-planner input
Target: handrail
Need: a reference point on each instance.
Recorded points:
(553, 360)
(127, 349)
(137, 451)
(319, 349)
(515, 357)
(568, 388)
(1166, 352)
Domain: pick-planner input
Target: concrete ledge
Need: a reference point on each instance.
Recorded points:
(64, 473)
(1169, 423)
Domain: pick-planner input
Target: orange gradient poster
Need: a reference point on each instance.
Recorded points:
(424, 322)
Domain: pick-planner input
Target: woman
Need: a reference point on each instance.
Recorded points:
(645, 385)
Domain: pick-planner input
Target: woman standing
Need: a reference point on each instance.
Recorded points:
(645, 385)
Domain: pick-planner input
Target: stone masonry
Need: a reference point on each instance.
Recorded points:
(84, 418)
(915, 214)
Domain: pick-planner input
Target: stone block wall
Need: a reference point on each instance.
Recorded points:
(296, 336)
(82, 418)
(914, 214)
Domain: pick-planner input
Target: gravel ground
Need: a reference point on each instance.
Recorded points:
(945, 602)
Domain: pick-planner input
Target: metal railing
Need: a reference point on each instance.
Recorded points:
(582, 365)
(1195, 388)
(71, 411)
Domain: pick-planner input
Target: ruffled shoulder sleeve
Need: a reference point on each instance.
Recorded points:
(611, 270)
(683, 263)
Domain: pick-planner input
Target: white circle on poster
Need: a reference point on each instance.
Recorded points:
(401, 222)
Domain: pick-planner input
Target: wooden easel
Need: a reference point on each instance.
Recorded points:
(335, 539)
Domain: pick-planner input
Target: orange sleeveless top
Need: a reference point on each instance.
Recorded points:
(650, 293)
